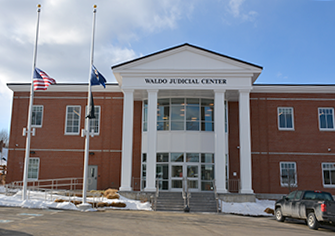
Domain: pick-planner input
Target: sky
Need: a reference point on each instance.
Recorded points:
(293, 40)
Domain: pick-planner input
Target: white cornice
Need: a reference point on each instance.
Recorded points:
(65, 88)
(293, 89)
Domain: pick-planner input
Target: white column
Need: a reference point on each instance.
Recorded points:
(245, 142)
(127, 139)
(152, 141)
(220, 141)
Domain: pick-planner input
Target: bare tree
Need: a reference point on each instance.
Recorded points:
(4, 137)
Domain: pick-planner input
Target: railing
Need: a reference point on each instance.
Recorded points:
(68, 186)
(156, 195)
(54, 184)
(186, 194)
(218, 208)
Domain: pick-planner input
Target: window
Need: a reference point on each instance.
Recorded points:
(182, 114)
(95, 123)
(288, 174)
(328, 170)
(285, 118)
(144, 170)
(326, 118)
(33, 167)
(145, 115)
(162, 170)
(36, 116)
(207, 171)
(207, 115)
(163, 113)
(72, 123)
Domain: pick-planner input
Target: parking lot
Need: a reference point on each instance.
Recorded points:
(19, 221)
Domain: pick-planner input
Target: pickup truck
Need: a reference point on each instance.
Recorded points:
(315, 207)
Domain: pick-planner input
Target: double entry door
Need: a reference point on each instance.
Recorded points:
(189, 173)
(172, 175)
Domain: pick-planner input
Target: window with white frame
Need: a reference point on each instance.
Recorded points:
(95, 123)
(72, 123)
(36, 116)
(145, 115)
(326, 118)
(33, 167)
(288, 174)
(328, 171)
(285, 118)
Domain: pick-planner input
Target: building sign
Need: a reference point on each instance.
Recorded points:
(172, 81)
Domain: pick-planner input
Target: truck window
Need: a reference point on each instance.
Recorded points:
(298, 195)
(291, 195)
(321, 196)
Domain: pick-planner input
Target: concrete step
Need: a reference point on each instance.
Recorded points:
(199, 202)
(170, 201)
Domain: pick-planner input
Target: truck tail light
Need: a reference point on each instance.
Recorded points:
(323, 207)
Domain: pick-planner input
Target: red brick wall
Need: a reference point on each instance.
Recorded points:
(65, 159)
(269, 142)
(233, 142)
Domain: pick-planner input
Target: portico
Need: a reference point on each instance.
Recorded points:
(185, 92)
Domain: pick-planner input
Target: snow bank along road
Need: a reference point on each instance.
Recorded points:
(24, 222)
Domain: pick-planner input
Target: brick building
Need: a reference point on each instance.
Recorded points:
(181, 112)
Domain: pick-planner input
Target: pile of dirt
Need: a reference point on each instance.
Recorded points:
(111, 194)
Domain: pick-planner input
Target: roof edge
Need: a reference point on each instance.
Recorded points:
(183, 45)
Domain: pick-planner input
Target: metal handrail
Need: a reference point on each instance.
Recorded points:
(216, 197)
(156, 195)
(48, 185)
(52, 189)
(185, 193)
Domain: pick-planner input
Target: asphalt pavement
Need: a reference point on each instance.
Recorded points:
(26, 222)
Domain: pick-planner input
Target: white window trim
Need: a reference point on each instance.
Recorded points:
(295, 171)
(38, 126)
(38, 169)
(323, 180)
(287, 129)
(325, 129)
(66, 133)
(95, 133)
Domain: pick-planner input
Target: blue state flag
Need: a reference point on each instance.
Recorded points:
(97, 78)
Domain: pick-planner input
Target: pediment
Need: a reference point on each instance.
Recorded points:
(186, 58)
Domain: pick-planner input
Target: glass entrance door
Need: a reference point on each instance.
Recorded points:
(192, 177)
(192, 171)
(177, 174)
(177, 171)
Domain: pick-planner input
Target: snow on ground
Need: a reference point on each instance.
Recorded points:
(248, 208)
(42, 201)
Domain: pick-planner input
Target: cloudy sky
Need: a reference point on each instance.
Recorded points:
(292, 39)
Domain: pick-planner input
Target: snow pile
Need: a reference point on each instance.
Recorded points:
(248, 208)
(42, 200)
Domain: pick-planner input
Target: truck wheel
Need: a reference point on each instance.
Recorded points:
(312, 222)
(279, 215)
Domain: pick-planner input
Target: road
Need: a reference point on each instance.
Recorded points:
(25, 222)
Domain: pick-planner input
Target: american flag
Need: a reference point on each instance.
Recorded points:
(42, 80)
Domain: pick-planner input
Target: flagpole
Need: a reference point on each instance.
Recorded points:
(87, 131)
(27, 132)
